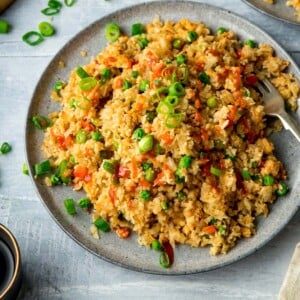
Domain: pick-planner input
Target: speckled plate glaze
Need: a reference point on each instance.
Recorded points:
(278, 10)
(127, 253)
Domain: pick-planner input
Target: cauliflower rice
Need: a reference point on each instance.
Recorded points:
(212, 167)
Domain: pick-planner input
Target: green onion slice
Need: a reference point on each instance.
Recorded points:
(282, 189)
(172, 100)
(173, 120)
(50, 11)
(85, 203)
(110, 166)
(164, 260)
(87, 83)
(46, 29)
(25, 169)
(83, 103)
(4, 26)
(32, 38)
(81, 72)
(215, 171)
(59, 85)
(41, 122)
(156, 245)
(5, 148)
(112, 32)
(70, 206)
(42, 168)
(102, 225)
(176, 89)
(69, 3)
(164, 108)
(54, 4)
(137, 29)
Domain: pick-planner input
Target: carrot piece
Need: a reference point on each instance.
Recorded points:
(134, 168)
(118, 83)
(167, 138)
(123, 232)
(112, 195)
(160, 179)
(210, 229)
(145, 184)
(80, 172)
(109, 61)
(197, 103)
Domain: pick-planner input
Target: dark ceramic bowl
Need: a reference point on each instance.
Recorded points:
(10, 265)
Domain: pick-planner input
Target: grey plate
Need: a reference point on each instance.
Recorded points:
(279, 10)
(128, 253)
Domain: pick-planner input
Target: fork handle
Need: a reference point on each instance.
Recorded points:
(289, 124)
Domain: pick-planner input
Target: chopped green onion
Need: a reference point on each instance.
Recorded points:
(192, 36)
(158, 149)
(105, 75)
(59, 85)
(138, 134)
(282, 189)
(161, 90)
(247, 93)
(70, 206)
(215, 171)
(268, 180)
(144, 85)
(137, 29)
(145, 195)
(81, 72)
(143, 42)
(181, 59)
(222, 230)
(177, 44)
(211, 102)
(50, 11)
(156, 245)
(110, 166)
(72, 159)
(42, 168)
(146, 166)
(146, 143)
(81, 137)
(213, 221)
(102, 225)
(69, 3)
(250, 43)
(46, 29)
(176, 89)
(5, 148)
(4, 26)
(185, 161)
(179, 179)
(181, 195)
(54, 4)
(231, 157)
(126, 85)
(246, 174)
(62, 168)
(87, 83)
(134, 74)
(150, 175)
(221, 30)
(55, 180)
(32, 38)
(85, 203)
(73, 103)
(83, 103)
(41, 122)
(112, 32)
(164, 108)
(173, 120)
(164, 260)
(203, 77)
(25, 169)
(165, 205)
(172, 100)
(150, 115)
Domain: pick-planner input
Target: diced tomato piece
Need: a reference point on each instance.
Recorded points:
(251, 79)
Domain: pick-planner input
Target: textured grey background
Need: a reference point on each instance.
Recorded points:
(54, 266)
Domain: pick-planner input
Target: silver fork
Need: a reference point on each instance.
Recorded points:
(274, 106)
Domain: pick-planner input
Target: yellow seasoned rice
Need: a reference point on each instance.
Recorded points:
(229, 175)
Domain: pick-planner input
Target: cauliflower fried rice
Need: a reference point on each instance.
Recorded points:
(168, 136)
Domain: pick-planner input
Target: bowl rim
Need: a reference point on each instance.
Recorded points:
(17, 259)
